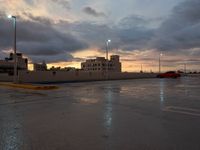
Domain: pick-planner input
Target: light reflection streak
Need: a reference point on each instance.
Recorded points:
(162, 98)
(86, 100)
(108, 109)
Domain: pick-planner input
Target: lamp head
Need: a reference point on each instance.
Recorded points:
(109, 41)
(9, 16)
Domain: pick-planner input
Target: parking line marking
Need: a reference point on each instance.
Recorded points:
(182, 110)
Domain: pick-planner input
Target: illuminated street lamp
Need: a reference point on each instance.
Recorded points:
(15, 47)
(107, 43)
(160, 55)
(107, 62)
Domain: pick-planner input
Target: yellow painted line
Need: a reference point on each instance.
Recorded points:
(29, 86)
(182, 110)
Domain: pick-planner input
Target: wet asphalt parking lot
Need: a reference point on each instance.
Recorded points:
(143, 114)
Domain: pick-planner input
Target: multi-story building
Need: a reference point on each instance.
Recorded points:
(102, 64)
(40, 67)
(7, 65)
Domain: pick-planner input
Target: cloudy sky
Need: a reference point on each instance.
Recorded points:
(66, 32)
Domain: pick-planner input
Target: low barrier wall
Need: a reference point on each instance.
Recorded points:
(4, 77)
(76, 76)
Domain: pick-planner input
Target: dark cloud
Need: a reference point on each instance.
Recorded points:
(181, 29)
(133, 21)
(37, 39)
(41, 37)
(134, 38)
(135, 32)
(124, 35)
(6, 36)
(94, 34)
(64, 3)
(64, 57)
(91, 11)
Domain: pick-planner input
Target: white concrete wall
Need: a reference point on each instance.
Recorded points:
(4, 77)
(61, 76)
(193, 75)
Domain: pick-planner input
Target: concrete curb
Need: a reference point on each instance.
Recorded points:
(29, 86)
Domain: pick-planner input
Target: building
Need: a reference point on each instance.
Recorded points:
(102, 64)
(40, 67)
(7, 65)
(62, 69)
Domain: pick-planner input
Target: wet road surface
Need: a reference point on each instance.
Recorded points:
(146, 114)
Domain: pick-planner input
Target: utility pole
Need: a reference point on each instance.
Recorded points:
(160, 55)
(107, 61)
(15, 47)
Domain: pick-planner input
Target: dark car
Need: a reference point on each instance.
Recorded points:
(169, 74)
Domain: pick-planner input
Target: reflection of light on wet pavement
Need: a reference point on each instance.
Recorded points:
(103, 115)
(108, 109)
(161, 93)
(126, 90)
(108, 117)
(182, 110)
(88, 101)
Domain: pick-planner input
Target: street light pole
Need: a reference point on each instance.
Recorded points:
(107, 61)
(107, 43)
(15, 46)
(185, 68)
(160, 55)
(141, 71)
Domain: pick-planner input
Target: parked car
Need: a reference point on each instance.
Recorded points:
(169, 74)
